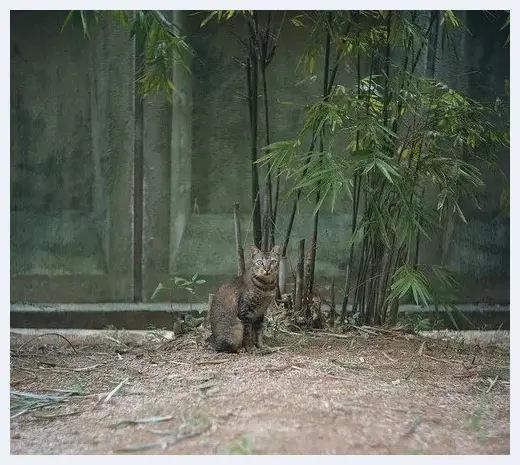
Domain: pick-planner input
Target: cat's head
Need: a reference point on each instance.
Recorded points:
(265, 263)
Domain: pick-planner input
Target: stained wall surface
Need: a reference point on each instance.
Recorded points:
(79, 138)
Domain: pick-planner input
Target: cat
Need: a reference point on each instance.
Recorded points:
(239, 306)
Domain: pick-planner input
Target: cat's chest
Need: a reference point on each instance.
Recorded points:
(259, 302)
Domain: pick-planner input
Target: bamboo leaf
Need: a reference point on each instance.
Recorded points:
(159, 288)
(208, 18)
(67, 19)
(357, 236)
(388, 171)
(448, 311)
(84, 22)
(296, 20)
(459, 211)
(406, 280)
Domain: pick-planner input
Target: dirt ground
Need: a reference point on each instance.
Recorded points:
(363, 392)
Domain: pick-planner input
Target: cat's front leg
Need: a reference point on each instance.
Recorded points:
(258, 332)
(246, 315)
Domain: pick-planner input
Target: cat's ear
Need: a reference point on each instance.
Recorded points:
(276, 250)
(253, 251)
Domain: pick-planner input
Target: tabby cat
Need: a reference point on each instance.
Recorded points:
(239, 306)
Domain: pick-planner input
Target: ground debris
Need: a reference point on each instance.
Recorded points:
(317, 387)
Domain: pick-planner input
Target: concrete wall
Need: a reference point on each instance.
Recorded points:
(71, 177)
(221, 159)
(480, 248)
(221, 173)
(76, 126)
(167, 175)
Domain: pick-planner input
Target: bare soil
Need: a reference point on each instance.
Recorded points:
(363, 392)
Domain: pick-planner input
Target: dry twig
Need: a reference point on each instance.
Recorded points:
(145, 446)
(492, 383)
(111, 393)
(320, 373)
(212, 362)
(51, 416)
(440, 359)
(421, 349)
(23, 380)
(336, 335)
(42, 335)
(365, 330)
(89, 368)
(141, 421)
(388, 357)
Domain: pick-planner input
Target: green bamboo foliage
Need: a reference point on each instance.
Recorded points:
(404, 134)
(383, 141)
(162, 41)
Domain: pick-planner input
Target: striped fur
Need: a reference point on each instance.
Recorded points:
(239, 306)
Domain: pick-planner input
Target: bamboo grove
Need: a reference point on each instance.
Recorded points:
(398, 144)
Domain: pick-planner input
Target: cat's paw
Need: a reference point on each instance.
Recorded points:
(251, 349)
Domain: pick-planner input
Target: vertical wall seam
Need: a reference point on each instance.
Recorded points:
(138, 175)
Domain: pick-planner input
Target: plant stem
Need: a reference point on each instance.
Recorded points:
(252, 87)
(357, 196)
(312, 252)
(238, 240)
(299, 277)
(295, 204)
(269, 186)
(332, 315)
(263, 47)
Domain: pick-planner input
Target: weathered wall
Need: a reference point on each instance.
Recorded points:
(221, 173)
(221, 159)
(50, 139)
(167, 175)
(73, 133)
(71, 177)
(221, 136)
(480, 248)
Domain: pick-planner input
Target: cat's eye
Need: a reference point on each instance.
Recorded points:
(259, 262)
(274, 262)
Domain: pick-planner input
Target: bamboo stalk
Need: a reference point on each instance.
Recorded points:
(328, 83)
(252, 89)
(394, 305)
(305, 291)
(357, 199)
(295, 203)
(332, 303)
(241, 266)
(269, 185)
(309, 285)
(299, 277)
(295, 286)
(282, 276)
(350, 262)
(208, 310)
(311, 258)
(265, 223)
